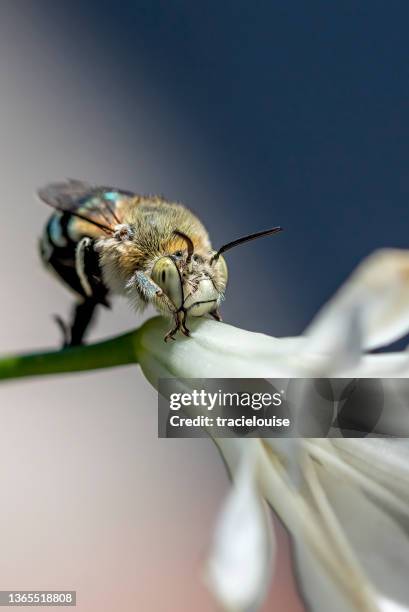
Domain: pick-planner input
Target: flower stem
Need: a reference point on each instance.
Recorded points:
(116, 351)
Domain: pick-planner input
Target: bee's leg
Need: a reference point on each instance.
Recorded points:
(172, 332)
(93, 289)
(73, 334)
(83, 314)
(216, 314)
(183, 327)
(64, 329)
(180, 324)
(149, 290)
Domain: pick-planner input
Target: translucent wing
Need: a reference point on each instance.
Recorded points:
(91, 203)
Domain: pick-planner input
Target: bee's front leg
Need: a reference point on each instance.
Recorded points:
(172, 332)
(151, 292)
(183, 327)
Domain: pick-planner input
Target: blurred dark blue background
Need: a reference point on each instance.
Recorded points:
(302, 108)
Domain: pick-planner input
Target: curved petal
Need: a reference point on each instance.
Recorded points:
(330, 576)
(380, 545)
(215, 350)
(364, 524)
(370, 310)
(384, 461)
(240, 565)
(388, 605)
(381, 365)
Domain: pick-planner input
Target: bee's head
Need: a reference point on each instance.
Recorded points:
(195, 282)
(191, 280)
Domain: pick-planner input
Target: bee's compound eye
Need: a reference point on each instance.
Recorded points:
(166, 275)
(221, 268)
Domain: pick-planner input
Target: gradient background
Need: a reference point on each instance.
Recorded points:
(254, 114)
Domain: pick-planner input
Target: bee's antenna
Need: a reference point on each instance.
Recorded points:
(234, 243)
(190, 246)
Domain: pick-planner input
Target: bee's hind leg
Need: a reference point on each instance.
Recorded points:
(73, 334)
(64, 329)
(83, 314)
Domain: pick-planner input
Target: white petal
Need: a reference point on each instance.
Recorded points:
(215, 350)
(380, 545)
(370, 310)
(387, 605)
(367, 542)
(331, 574)
(384, 461)
(381, 365)
(240, 565)
(317, 587)
(289, 452)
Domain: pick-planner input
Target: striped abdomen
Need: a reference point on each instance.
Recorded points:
(59, 251)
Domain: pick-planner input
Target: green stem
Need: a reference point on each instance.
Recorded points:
(107, 354)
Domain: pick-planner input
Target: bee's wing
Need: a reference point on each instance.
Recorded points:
(95, 204)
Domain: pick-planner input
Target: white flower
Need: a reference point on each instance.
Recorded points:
(345, 502)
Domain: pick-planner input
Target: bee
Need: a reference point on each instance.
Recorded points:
(102, 241)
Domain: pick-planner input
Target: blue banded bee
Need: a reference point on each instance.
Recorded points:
(102, 241)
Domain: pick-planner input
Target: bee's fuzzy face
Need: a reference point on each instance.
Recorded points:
(187, 277)
(193, 284)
